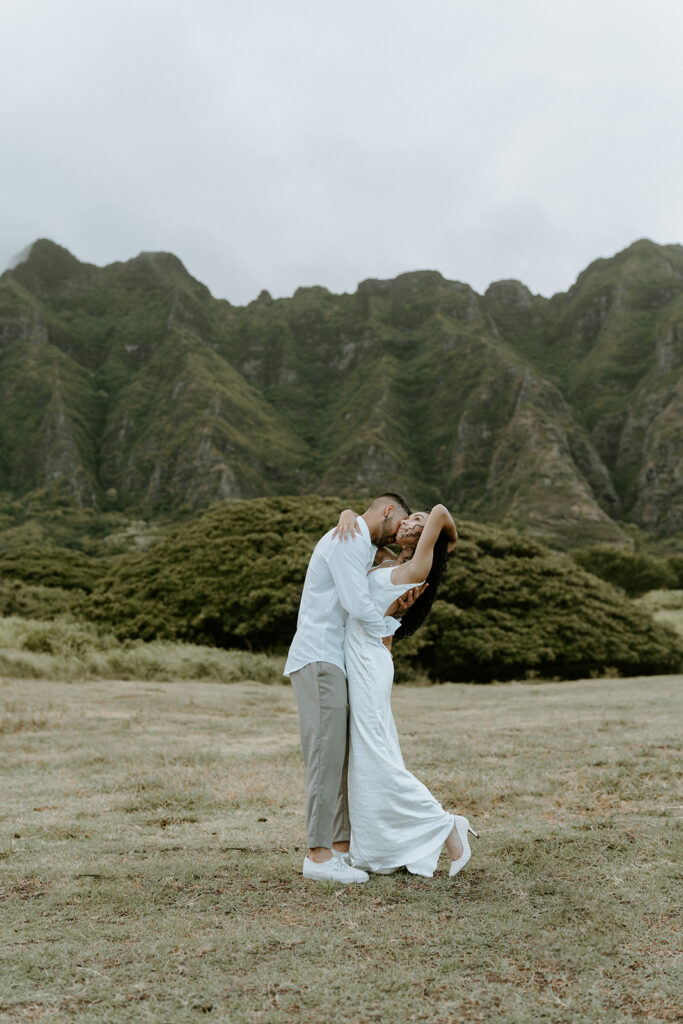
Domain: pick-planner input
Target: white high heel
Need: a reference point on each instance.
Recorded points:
(462, 827)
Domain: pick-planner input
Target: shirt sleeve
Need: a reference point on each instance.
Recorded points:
(347, 564)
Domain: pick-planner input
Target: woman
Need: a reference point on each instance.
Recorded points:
(395, 820)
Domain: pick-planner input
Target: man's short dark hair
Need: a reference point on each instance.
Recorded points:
(395, 498)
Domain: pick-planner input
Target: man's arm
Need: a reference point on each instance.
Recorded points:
(347, 564)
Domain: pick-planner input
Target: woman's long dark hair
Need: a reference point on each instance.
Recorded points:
(419, 611)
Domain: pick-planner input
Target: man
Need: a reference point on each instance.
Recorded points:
(336, 586)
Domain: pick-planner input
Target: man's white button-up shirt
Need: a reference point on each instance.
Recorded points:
(335, 587)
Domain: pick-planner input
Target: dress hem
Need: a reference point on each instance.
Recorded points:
(416, 855)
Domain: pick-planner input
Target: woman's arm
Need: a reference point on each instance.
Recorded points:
(347, 526)
(417, 569)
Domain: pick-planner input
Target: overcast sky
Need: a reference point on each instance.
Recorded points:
(278, 143)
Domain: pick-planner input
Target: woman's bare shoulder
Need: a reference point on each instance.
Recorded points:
(404, 573)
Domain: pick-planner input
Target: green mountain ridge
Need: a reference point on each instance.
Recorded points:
(562, 417)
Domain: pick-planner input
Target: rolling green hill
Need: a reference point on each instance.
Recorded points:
(131, 386)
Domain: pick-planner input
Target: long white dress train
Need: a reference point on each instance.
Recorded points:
(395, 820)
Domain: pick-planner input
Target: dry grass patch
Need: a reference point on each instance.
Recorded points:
(68, 649)
(153, 837)
(665, 606)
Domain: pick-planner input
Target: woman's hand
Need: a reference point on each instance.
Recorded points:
(448, 526)
(401, 605)
(348, 525)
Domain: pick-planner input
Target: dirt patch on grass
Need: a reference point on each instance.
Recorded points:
(26, 889)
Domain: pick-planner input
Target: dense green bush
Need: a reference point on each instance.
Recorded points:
(508, 607)
(676, 569)
(52, 518)
(44, 582)
(52, 567)
(634, 573)
(232, 577)
(38, 602)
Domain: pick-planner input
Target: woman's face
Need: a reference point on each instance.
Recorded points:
(410, 529)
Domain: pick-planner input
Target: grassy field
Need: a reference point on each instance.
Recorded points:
(151, 846)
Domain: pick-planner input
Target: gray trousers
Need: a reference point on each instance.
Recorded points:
(322, 700)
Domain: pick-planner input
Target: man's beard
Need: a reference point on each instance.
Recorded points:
(385, 537)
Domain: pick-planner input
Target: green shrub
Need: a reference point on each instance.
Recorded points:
(676, 569)
(36, 601)
(52, 567)
(634, 573)
(507, 608)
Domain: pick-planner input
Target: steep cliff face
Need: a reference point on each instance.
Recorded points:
(411, 380)
(614, 346)
(188, 428)
(560, 416)
(48, 406)
(110, 381)
(544, 474)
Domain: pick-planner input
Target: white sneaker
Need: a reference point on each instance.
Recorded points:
(333, 870)
(343, 855)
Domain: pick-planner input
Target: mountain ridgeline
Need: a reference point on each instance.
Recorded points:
(563, 417)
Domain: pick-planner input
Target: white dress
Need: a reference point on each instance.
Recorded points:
(395, 820)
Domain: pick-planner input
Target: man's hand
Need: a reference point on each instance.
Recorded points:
(386, 640)
(348, 525)
(402, 604)
(453, 542)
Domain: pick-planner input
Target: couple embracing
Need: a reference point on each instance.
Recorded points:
(364, 810)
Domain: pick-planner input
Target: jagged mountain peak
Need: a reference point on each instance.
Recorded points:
(411, 281)
(316, 291)
(511, 292)
(163, 262)
(47, 266)
(640, 262)
(45, 250)
(550, 414)
(159, 269)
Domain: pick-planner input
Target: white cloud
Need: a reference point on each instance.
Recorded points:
(272, 145)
